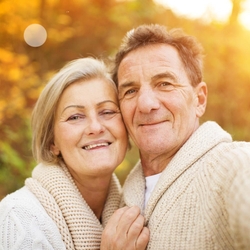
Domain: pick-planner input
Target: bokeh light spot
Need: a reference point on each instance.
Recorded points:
(35, 35)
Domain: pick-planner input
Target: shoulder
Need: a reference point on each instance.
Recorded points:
(24, 223)
(237, 153)
(229, 160)
(20, 201)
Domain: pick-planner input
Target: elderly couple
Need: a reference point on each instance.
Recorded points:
(189, 190)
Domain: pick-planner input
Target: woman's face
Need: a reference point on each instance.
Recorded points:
(88, 130)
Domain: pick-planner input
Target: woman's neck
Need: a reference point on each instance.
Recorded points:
(94, 190)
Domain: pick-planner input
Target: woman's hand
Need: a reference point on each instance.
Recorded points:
(125, 230)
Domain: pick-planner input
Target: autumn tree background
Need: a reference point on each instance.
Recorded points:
(80, 28)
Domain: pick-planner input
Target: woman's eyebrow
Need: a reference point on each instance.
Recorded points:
(74, 106)
(106, 101)
(83, 107)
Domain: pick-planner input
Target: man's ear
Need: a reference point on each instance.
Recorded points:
(54, 149)
(201, 93)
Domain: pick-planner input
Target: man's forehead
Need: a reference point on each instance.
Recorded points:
(153, 59)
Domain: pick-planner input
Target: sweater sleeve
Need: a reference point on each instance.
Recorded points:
(238, 202)
(24, 224)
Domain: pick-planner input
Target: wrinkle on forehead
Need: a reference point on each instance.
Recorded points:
(162, 58)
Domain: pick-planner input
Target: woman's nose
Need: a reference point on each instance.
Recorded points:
(94, 126)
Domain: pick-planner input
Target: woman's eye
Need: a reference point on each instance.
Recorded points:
(108, 112)
(75, 117)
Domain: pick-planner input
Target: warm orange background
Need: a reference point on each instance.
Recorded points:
(79, 28)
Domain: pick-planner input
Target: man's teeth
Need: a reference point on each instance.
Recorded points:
(104, 144)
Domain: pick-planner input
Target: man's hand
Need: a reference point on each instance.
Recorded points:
(125, 230)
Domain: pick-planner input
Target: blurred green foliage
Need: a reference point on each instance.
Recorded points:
(80, 28)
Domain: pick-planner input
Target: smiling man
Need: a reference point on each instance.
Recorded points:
(160, 107)
(192, 182)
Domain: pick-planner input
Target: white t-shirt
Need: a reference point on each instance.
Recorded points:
(150, 184)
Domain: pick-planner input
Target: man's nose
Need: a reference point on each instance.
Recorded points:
(147, 100)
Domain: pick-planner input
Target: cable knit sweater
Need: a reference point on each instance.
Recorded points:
(50, 213)
(202, 199)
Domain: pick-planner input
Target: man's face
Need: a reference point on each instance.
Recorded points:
(159, 106)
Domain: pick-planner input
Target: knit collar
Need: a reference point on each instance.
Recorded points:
(204, 138)
(57, 192)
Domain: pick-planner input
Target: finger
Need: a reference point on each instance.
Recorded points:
(120, 239)
(110, 229)
(127, 219)
(115, 218)
(134, 233)
(136, 227)
(143, 239)
(115, 234)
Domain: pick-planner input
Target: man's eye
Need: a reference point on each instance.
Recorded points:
(166, 86)
(127, 93)
(130, 91)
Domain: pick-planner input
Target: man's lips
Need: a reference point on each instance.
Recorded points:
(96, 145)
(152, 123)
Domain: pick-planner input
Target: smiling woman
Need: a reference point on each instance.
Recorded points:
(78, 140)
(98, 134)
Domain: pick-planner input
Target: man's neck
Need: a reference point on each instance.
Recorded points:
(152, 165)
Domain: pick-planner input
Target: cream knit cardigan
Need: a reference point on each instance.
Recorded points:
(50, 213)
(202, 199)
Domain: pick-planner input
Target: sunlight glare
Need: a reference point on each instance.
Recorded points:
(208, 9)
(245, 15)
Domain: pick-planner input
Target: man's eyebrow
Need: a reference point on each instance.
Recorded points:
(164, 75)
(125, 85)
(168, 75)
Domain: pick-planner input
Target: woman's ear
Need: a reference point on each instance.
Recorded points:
(54, 149)
(201, 92)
